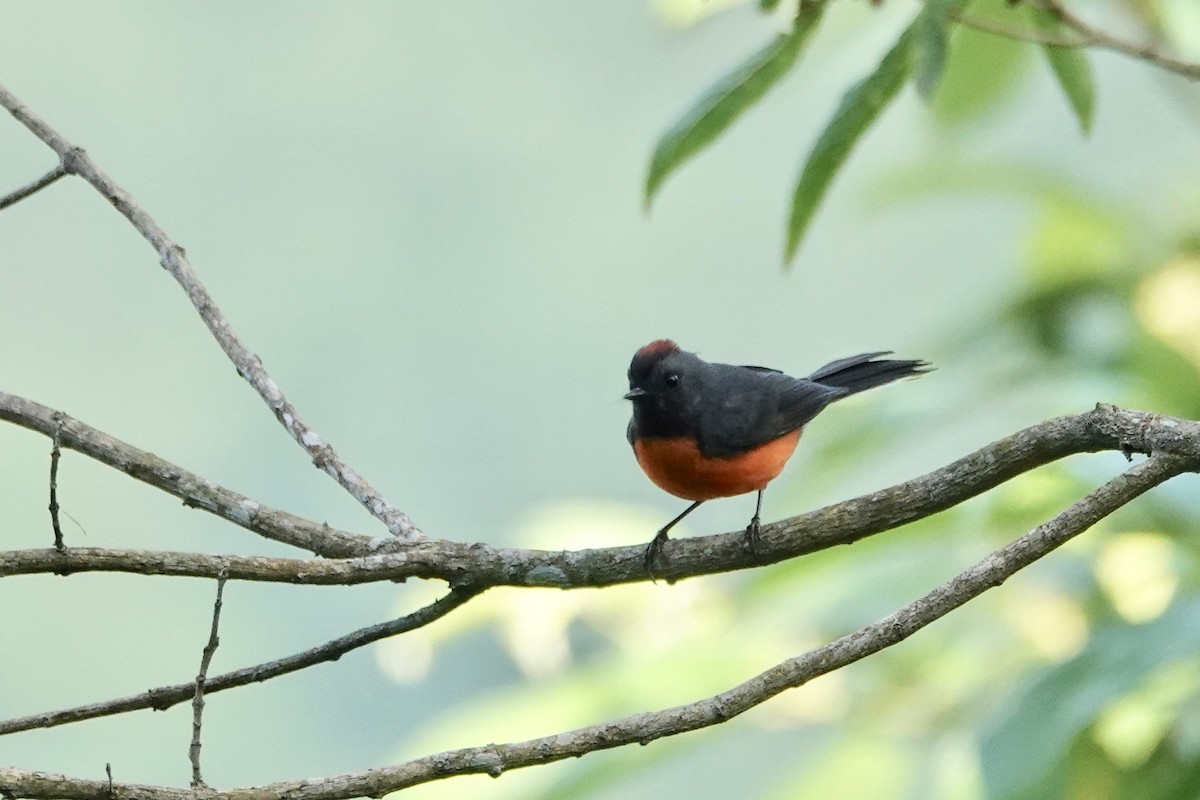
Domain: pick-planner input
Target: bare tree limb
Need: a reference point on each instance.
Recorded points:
(644, 728)
(473, 568)
(172, 257)
(195, 491)
(16, 196)
(481, 565)
(210, 647)
(165, 697)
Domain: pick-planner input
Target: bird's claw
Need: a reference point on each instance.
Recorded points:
(652, 552)
(752, 537)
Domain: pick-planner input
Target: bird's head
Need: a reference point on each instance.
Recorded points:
(658, 371)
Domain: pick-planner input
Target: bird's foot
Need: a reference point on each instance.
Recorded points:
(652, 552)
(752, 539)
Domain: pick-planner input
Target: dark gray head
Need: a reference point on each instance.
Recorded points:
(664, 382)
(657, 369)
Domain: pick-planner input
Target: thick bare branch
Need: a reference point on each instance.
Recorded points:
(174, 260)
(644, 728)
(194, 490)
(165, 697)
(481, 565)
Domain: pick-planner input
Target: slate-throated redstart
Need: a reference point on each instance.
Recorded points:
(702, 431)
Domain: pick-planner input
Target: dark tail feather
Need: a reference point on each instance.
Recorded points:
(859, 373)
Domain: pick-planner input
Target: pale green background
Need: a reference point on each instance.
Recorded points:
(426, 219)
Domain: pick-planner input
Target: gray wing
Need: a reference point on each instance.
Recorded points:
(757, 406)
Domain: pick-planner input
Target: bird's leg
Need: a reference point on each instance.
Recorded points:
(752, 530)
(656, 544)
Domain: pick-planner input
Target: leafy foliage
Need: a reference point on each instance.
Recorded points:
(930, 41)
(730, 97)
(859, 108)
(1071, 69)
(1074, 74)
(958, 71)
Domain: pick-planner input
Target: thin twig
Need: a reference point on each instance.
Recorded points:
(495, 759)
(1085, 35)
(55, 454)
(12, 198)
(201, 677)
(1102, 39)
(165, 697)
(1030, 35)
(174, 260)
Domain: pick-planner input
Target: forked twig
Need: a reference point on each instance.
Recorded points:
(1095, 37)
(172, 257)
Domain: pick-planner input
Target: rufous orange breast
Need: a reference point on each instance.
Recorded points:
(677, 466)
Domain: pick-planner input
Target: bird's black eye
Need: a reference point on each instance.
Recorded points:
(672, 380)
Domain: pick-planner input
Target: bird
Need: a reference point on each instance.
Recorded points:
(702, 431)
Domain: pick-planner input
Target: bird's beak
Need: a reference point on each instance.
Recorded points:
(633, 394)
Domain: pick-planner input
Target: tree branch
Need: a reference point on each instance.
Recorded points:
(481, 566)
(1095, 37)
(1085, 35)
(644, 728)
(165, 697)
(194, 490)
(471, 568)
(172, 257)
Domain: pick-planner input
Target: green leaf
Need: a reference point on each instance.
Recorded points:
(729, 98)
(1070, 66)
(982, 72)
(859, 108)
(1074, 72)
(768, 6)
(929, 45)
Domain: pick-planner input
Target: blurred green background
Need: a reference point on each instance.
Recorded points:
(426, 218)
